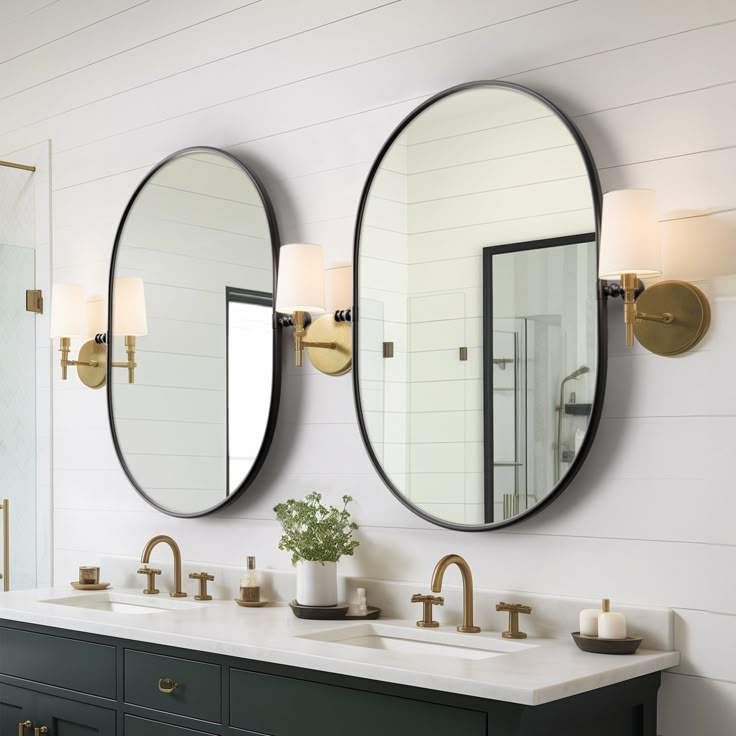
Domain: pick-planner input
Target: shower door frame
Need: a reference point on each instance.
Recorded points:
(39, 156)
(488, 445)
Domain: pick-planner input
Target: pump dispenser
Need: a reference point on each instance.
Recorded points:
(250, 588)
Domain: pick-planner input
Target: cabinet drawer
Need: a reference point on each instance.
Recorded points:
(55, 660)
(281, 706)
(198, 685)
(135, 726)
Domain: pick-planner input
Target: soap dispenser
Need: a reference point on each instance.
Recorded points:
(250, 587)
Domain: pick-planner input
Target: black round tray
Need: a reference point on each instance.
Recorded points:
(331, 613)
(606, 646)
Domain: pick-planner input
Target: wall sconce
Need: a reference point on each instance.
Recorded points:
(73, 316)
(667, 318)
(300, 293)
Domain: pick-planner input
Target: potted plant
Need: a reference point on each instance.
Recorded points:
(317, 537)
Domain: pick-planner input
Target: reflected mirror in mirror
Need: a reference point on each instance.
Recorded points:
(480, 365)
(197, 248)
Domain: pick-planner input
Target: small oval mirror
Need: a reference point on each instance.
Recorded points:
(480, 331)
(193, 360)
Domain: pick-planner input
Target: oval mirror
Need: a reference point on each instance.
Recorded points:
(479, 334)
(193, 361)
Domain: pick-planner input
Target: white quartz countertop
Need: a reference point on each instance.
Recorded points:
(538, 671)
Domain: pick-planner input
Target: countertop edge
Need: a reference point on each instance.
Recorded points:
(627, 667)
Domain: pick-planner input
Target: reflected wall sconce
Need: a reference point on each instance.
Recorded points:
(303, 284)
(73, 316)
(667, 318)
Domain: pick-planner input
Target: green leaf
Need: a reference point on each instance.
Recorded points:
(315, 533)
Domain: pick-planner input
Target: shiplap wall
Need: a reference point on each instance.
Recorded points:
(306, 93)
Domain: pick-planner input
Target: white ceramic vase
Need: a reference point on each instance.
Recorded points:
(316, 583)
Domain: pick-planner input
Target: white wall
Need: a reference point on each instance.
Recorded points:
(306, 93)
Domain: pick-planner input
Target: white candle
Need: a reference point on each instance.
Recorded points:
(611, 625)
(589, 621)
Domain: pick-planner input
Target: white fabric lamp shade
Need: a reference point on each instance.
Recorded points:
(68, 312)
(129, 307)
(96, 316)
(339, 287)
(630, 241)
(301, 281)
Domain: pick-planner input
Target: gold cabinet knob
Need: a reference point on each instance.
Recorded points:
(167, 686)
(39, 731)
(22, 726)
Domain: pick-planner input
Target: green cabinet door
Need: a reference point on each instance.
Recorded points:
(68, 718)
(16, 706)
(61, 717)
(283, 706)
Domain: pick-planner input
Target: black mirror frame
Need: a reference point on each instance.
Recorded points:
(276, 370)
(602, 366)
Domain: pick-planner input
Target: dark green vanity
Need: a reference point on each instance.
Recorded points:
(82, 685)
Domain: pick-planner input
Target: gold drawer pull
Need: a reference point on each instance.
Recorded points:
(167, 685)
(40, 731)
(22, 726)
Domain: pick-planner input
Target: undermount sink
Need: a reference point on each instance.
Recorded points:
(124, 603)
(423, 642)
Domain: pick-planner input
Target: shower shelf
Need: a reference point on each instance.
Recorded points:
(581, 410)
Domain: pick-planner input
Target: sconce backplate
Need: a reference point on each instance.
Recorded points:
(93, 376)
(335, 362)
(690, 311)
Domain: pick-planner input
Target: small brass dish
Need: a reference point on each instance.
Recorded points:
(596, 645)
(90, 586)
(250, 604)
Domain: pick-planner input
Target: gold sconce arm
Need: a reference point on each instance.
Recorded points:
(629, 285)
(300, 343)
(91, 363)
(330, 356)
(130, 364)
(64, 346)
(668, 318)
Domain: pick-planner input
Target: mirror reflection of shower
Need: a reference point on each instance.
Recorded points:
(562, 455)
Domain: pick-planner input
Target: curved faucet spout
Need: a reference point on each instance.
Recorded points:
(146, 558)
(467, 576)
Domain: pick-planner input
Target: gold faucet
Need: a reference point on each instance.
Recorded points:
(439, 573)
(146, 558)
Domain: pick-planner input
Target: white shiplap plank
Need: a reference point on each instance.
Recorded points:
(422, 71)
(159, 42)
(693, 705)
(54, 21)
(134, 24)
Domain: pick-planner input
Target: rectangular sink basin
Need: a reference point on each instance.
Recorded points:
(121, 603)
(423, 642)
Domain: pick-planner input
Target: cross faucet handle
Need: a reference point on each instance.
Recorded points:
(203, 578)
(514, 609)
(151, 572)
(428, 601)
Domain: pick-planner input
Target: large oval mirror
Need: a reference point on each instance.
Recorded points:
(193, 361)
(479, 331)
